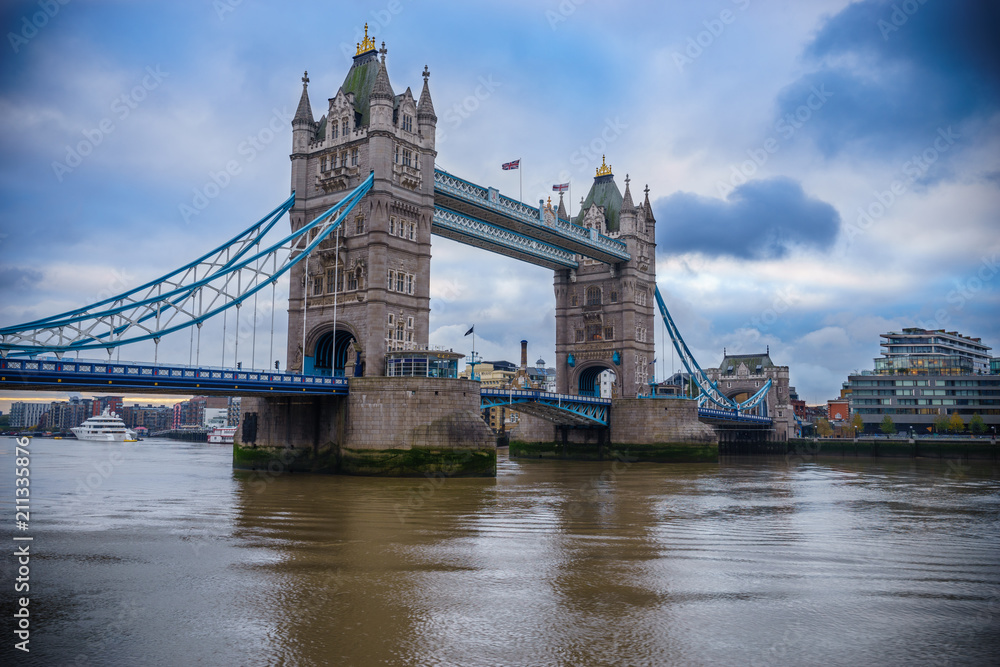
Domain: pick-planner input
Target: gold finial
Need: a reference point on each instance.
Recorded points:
(367, 45)
(549, 203)
(604, 169)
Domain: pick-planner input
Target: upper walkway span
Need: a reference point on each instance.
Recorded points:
(491, 209)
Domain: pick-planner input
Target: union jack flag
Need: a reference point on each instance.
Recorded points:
(516, 164)
(563, 187)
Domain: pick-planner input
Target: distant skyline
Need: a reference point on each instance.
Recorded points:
(820, 172)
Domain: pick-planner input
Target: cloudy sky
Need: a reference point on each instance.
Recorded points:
(821, 172)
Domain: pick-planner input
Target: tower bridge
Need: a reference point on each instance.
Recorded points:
(366, 200)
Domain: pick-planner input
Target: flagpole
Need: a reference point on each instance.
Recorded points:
(520, 181)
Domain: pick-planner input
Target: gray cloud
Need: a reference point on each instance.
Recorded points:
(761, 219)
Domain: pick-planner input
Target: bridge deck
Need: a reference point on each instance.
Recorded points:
(110, 377)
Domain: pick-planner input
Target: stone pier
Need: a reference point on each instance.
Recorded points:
(641, 429)
(394, 427)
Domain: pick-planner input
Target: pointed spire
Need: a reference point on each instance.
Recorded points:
(649, 209)
(627, 205)
(382, 90)
(304, 112)
(425, 108)
(562, 208)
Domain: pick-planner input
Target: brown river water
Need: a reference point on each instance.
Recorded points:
(158, 553)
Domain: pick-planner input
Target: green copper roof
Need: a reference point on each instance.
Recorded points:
(360, 81)
(604, 192)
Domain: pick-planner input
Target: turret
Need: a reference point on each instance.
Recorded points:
(426, 118)
(627, 220)
(381, 98)
(303, 125)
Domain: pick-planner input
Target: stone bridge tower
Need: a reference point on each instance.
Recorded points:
(366, 290)
(604, 312)
(740, 376)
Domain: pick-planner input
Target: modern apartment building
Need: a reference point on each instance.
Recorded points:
(923, 376)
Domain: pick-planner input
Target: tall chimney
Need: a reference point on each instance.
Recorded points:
(524, 355)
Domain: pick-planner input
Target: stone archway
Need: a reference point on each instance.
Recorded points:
(588, 378)
(332, 352)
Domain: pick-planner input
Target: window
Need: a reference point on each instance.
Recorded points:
(409, 322)
(392, 226)
(640, 333)
(400, 281)
(614, 296)
(392, 319)
(409, 287)
(609, 333)
(399, 333)
(331, 279)
(333, 130)
(359, 224)
(317, 285)
(407, 157)
(354, 157)
(573, 299)
(396, 158)
(413, 231)
(593, 296)
(593, 332)
(407, 123)
(392, 278)
(344, 127)
(353, 280)
(640, 297)
(322, 163)
(579, 335)
(409, 336)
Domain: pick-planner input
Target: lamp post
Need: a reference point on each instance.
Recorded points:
(994, 438)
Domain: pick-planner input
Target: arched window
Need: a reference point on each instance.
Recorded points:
(593, 296)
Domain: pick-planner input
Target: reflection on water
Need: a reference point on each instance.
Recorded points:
(169, 557)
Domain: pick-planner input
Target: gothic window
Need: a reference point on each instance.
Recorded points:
(396, 158)
(317, 285)
(331, 279)
(399, 333)
(354, 157)
(409, 322)
(614, 296)
(609, 333)
(579, 335)
(593, 296)
(392, 319)
(322, 163)
(392, 278)
(409, 284)
(640, 333)
(413, 231)
(333, 131)
(407, 157)
(344, 127)
(640, 297)
(407, 123)
(343, 158)
(400, 281)
(573, 299)
(354, 282)
(359, 224)
(409, 336)
(392, 226)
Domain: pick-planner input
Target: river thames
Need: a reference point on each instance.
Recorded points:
(158, 553)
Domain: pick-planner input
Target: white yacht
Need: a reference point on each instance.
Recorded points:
(106, 427)
(222, 434)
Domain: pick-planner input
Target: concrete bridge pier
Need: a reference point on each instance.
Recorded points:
(392, 427)
(641, 429)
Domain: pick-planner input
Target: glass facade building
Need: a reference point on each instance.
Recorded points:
(422, 363)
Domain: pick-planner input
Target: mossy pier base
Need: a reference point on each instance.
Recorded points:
(393, 427)
(661, 430)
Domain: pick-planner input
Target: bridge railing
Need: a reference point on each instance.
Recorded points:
(101, 373)
(545, 395)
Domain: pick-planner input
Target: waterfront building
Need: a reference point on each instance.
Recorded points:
(995, 366)
(422, 363)
(925, 376)
(915, 351)
(26, 415)
(234, 411)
